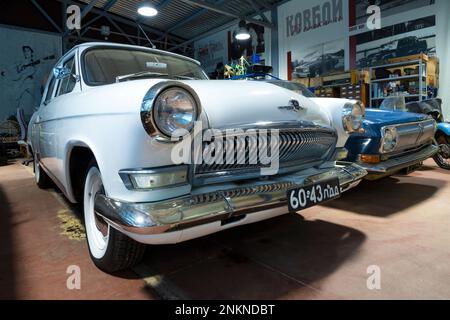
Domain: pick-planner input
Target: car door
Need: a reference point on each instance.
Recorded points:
(52, 117)
(35, 122)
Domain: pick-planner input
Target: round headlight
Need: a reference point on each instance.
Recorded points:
(353, 116)
(390, 139)
(175, 108)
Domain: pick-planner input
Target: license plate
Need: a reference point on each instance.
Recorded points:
(308, 196)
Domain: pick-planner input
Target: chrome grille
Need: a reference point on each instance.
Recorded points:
(414, 134)
(240, 192)
(252, 151)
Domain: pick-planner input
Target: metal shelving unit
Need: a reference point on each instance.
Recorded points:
(421, 78)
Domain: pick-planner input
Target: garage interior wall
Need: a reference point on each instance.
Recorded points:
(26, 59)
(214, 48)
(336, 36)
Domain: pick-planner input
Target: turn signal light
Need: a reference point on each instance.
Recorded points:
(370, 158)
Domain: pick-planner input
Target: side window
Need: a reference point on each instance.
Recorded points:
(67, 84)
(49, 94)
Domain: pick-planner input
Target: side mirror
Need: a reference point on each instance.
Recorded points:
(61, 72)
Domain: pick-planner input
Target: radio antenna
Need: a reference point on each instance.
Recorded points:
(145, 34)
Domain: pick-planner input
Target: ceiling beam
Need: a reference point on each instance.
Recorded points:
(120, 30)
(189, 19)
(105, 9)
(45, 14)
(126, 21)
(213, 7)
(258, 10)
(163, 4)
(88, 8)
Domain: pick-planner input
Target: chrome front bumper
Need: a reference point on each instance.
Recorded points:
(197, 209)
(391, 166)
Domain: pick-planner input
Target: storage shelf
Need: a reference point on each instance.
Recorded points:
(376, 84)
(416, 76)
(405, 96)
(403, 63)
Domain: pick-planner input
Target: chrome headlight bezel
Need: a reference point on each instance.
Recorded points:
(353, 116)
(389, 139)
(150, 108)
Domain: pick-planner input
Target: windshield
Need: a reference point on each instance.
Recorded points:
(294, 86)
(104, 66)
(394, 103)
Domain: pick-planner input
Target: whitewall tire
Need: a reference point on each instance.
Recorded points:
(40, 176)
(109, 249)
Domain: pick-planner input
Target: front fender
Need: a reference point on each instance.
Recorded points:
(444, 127)
(334, 108)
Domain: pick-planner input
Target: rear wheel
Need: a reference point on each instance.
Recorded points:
(442, 158)
(109, 249)
(42, 179)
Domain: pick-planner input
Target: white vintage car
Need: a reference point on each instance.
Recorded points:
(126, 132)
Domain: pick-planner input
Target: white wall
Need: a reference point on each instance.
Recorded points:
(340, 31)
(305, 40)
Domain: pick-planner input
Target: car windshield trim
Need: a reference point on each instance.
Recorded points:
(144, 50)
(142, 74)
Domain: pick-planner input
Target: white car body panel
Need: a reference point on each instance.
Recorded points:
(106, 119)
(333, 107)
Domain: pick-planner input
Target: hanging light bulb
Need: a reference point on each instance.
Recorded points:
(243, 33)
(147, 10)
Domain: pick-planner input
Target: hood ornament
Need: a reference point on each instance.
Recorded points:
(293, 105)
(421, 128)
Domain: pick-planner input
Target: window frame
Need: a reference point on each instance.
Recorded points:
(51, 85)
(61, 81)
(82, 60)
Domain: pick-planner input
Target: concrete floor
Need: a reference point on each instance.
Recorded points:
(400, 224)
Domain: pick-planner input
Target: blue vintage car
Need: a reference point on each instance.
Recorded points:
(391, 141)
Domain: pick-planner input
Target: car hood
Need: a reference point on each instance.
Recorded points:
(387, 117)
(224, 103)
(376, 118)
(228, 103)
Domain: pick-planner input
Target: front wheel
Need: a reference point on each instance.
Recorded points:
(442, 158)
(109, 249)
(40, 176)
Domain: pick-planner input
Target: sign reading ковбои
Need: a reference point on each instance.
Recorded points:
(315, 17)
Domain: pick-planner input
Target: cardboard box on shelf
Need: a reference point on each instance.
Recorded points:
(433, 66)
(360, 76)
(420, 56)
(304, 81)
(315, 82)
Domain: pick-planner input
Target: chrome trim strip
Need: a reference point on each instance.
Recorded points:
(420, 130)
(188, 211)
(396, 164)
(125, 176)
(295, 139)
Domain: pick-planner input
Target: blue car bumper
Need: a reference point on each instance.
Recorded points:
(391, 166)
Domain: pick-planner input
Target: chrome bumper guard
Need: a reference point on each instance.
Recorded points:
(396, 164)
(196, 209)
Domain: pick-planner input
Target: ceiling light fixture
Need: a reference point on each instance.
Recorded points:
(243, 33)
(147, 10)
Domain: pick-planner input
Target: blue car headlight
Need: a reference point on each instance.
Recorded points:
(353, 116)
(389, 139)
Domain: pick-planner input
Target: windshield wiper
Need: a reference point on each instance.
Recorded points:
(183, 77)
(143, 74)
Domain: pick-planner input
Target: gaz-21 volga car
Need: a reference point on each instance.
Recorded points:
(390, 141)
(157, 153)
